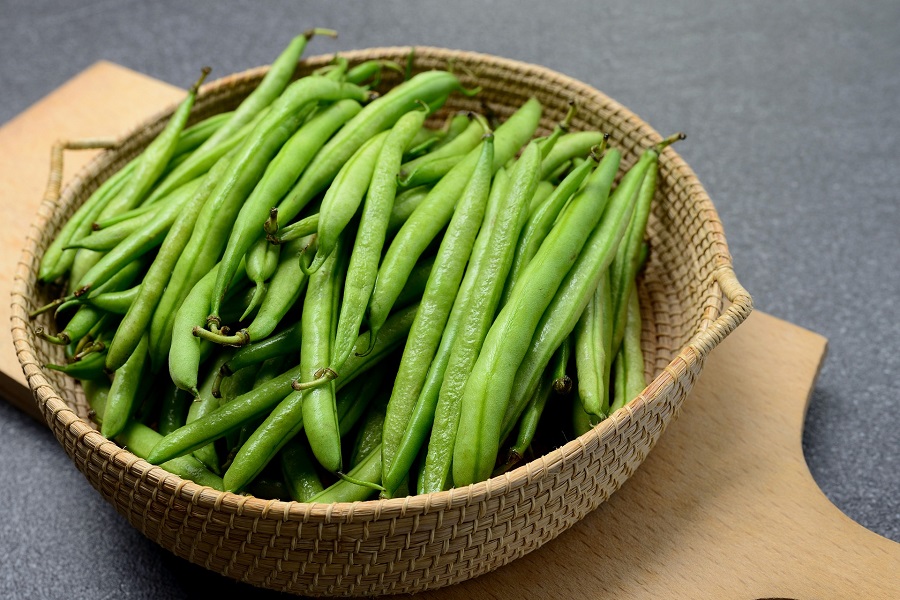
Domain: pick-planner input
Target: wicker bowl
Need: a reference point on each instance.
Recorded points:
(690, 301)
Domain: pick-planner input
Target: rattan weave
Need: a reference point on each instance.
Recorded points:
(690, 300)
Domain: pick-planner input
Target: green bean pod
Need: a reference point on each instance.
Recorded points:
(203, 404)
(265, 397)
(173, 409)
(625, 265)
(429, 172)
(369, 436)
(186, 348)
(279, 176)
(562, 383)
(404, 204)
(116, 303)
(299, 470)
(593, 342)
(487, 391)
(630, 378)
(437, 302)
(344, 196)
(262, 262)
(283, 343)
(530, 419)
(435, 211)
(569, 146)
(453, 127)
(126, 386)
(370, 235)
(369, 469)
(317, 404)
(285, 288)
(139, 439)
(90, 367)
(201, 161)
(270, 88)
(57, 261)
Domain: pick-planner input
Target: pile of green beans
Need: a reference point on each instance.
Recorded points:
(321, 296)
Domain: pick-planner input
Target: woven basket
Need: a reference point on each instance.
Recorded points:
(420, 542)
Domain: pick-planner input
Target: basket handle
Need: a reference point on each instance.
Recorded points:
(54, 181)
(740, 308)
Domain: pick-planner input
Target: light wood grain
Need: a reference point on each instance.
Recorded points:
(724, 506)
(102, 101)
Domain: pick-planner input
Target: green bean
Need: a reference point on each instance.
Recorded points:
(162, 213)
(155, 157)
(134, 215)
(299, 470)
(593, 342)
(90, 367)
(541, 194)
(279, 176)
(540, 223)
(115, 302)
(262, 262)
(370, 69)
(630, 380)
(139, 439)
(370, 236)
(203, 404)
(270, 88)
(437, 301)
(317, 404)
(435, 211)
(404, 204)
(570, 146)
(369, 470)
(125, 388)
(625, 265)
(344, 195)
(575, 292)
(194, 136)
(488, 387)
(57, 261)
(173, 409)
(529, 421)
(369, 436)
(378, 116)
(562, 383)
(453, 128)
(185, 351)
(483, 286)
(263, 398)
(415, 285)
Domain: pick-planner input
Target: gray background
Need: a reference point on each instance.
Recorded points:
(793, 119)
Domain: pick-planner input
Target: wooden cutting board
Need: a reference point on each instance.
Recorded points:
(724, 506)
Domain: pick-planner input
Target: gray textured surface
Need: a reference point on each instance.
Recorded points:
(793, 120)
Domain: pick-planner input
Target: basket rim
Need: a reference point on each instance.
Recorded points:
(56, 410)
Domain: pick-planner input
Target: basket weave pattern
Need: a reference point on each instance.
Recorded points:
(420, 542)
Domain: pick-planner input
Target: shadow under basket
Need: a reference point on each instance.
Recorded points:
(690, 300)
